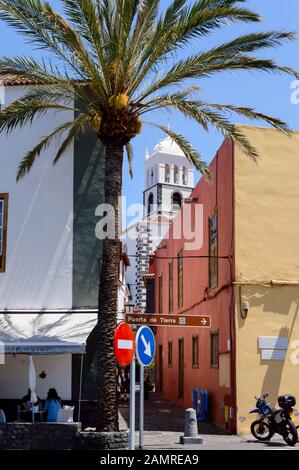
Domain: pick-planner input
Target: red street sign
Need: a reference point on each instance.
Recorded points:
(124, 344)
(199, 321)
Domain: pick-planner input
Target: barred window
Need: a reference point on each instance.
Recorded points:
(195, 352)
(215, 350)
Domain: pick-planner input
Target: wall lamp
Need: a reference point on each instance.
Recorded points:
(244, 309)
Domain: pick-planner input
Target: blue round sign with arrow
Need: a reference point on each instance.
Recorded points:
(145, 346)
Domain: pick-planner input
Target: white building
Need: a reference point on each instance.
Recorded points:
(169, 179)
(49, 259)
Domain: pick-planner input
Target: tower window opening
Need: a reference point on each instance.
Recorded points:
(185, 175)
(150, 203)
(176, 201)
(167, 173)
(176, 174)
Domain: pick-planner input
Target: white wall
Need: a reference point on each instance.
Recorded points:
(39, 242)
(14, 375)
(167, 192)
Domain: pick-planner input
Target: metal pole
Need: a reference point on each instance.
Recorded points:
(132, 404)
(80, 388)
(141, 407)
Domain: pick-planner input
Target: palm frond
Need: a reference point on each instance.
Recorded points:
(32, 70)
(180, 25)
(125, 52)
(69, 37)
(23, 111)
(83, 15)
(130, 156)
(30, 158)
(190, 152)
(252, 114)
(195, 67)
(229, 130)
(79, 126)
(29, 18)
(195, 110)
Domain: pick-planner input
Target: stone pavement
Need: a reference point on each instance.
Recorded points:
(164, 424)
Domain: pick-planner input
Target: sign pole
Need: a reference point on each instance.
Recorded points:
(132, 404)
(141, 407)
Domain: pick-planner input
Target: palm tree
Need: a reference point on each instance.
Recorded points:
(119, 60)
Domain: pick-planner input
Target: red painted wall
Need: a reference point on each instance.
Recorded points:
(198, 299)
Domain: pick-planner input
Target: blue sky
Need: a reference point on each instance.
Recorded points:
(268, 93)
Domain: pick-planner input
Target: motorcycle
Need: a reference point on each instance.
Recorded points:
(275, 421)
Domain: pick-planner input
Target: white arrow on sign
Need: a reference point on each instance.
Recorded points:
(147, 346)
(203, 321)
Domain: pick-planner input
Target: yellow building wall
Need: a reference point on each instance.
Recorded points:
(267, 248)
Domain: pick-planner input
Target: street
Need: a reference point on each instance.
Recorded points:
(164, 424)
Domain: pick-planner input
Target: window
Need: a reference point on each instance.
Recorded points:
(160, 294)
(3, 230)
(170, 354)
(195, 352)
(176, 174)
(215, 350)
(213, 251)
(150, 203)
(152, 176)
(167, 173)
(170, 286)
(185, 175)
(176, 201)
(180, 279)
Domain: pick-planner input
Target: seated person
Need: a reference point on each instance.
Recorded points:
(26, 402)
(52, 405)
(26, 407)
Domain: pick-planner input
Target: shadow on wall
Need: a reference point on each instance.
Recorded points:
(39, 331)
(277, 300)
(273, 375)
(281, 301)
(89, 169)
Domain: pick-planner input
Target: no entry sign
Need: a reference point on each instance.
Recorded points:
(124, 344)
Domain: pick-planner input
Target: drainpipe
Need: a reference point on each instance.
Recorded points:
(232, 310)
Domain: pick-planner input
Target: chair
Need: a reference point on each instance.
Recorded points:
(66, 415)
(2, 417)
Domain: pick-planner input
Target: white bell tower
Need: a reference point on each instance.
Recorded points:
(169, 179)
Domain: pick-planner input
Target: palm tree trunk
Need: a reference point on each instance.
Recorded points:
(107, 316)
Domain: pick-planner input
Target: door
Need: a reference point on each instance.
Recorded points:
(181, 369)
(160, 381)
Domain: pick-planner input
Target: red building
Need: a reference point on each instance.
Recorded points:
(243, 272)
(198, 280)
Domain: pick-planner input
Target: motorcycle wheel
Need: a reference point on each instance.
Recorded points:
(291, 434)
(261, 430)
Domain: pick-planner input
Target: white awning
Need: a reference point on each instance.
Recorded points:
(45, 333)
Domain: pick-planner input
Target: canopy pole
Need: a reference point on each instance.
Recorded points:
(80, 388)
